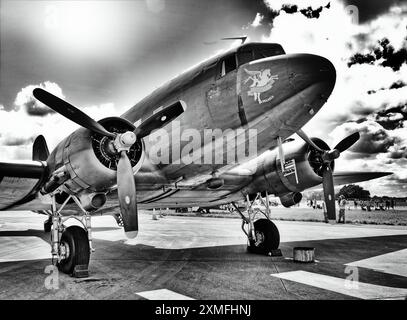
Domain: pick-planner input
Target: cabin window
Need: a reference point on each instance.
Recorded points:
(227, 65)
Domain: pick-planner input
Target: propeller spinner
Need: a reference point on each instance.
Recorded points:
(122, 142)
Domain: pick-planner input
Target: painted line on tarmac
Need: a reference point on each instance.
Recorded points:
(392, 263)
(163, 294)
(351, 288)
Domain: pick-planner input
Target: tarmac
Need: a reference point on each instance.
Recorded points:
(206, 258)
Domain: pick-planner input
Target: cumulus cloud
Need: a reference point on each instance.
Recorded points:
(25, 99)
(19, 127)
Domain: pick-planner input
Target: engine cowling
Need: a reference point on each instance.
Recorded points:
(87, 162)
(302, 170)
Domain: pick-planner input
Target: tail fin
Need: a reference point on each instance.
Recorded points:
(40, 149)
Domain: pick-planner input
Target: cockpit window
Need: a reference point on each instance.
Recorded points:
(228, 64)
(256, 52)
(267, 52)
(245, 57)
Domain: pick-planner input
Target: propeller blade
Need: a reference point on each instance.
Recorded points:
(70, 112)
(160, 119)
(126, 190)
(308, 140)
(329, 193)
(348, 142)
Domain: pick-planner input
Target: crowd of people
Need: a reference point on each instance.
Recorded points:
(376, 204)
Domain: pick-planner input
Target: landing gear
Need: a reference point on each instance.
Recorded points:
(71, 246)
(263, 236)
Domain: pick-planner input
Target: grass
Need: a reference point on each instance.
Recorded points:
(397, 217)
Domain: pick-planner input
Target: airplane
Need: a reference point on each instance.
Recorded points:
(108, 165)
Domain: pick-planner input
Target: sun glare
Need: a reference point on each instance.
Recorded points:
(82, 27)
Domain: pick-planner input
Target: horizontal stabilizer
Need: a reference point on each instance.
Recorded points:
(349, 177)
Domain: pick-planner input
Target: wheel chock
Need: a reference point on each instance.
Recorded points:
(80, 271)
(275, 253)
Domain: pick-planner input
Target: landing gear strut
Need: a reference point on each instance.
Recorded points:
(71, 246)
(262, 234)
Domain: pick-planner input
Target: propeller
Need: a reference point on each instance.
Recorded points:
(69, 111)
(327, 156)
(122, 142)
(126, 190)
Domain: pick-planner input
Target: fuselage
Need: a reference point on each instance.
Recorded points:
(245, 98)
(253, 87)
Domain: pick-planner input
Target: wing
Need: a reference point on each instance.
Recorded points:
(353, 177)
(20, 181)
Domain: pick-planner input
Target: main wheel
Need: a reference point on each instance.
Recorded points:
(268, 237)
(75, 242)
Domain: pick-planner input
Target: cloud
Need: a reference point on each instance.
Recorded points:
(257, 20)
(308, 12)
(384, 54)
(374, 138)
(392, 118)
(276, 5)
(395, 85)
(19, 127)
(25, 99)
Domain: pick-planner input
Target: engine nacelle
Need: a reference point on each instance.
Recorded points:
(89, 166)
(302, 170)
(290, 199)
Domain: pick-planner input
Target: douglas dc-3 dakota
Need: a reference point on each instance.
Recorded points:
(249, 101)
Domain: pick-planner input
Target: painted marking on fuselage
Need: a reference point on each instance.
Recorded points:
(355, 289)
(393, 263)
(163, 294)
(262, 81)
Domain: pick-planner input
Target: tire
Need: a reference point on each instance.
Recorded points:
(76, 239)
(271, 237)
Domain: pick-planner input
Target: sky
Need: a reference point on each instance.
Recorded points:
(104, 56)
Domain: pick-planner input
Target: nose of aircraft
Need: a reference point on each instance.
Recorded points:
(293, 83)
(304, 70)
